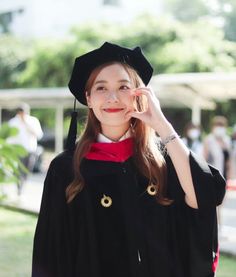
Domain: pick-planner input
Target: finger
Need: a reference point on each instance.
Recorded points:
(134, 114)
(144, 88)
(143, 91)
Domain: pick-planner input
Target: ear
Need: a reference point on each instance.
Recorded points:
(88, 99)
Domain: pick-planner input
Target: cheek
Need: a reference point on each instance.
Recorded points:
(95, 99)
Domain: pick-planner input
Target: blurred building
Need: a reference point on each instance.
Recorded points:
(44, 18)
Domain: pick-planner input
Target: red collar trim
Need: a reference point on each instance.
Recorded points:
(115, 151)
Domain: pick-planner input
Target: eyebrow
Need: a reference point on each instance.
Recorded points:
(120, 81)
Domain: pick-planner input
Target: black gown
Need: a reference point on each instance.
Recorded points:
(135, 236)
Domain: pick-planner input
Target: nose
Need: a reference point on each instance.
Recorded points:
(112, 97)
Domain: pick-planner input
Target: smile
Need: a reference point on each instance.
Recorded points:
(113, 110)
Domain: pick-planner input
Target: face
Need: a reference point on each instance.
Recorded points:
(111, 98)
(193, 133)
(219, 131)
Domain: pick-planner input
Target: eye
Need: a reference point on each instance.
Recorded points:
(100, 88)
(124, 87)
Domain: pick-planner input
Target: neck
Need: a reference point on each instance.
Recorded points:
(114, 133)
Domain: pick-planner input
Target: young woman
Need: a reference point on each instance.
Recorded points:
(115, 204)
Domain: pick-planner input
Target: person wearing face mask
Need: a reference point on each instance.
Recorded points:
(192, 138)
(217, 145)
(233, 155)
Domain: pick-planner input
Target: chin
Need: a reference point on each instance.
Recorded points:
(115, 123)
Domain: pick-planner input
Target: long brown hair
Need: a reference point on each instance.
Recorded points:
(147, 156)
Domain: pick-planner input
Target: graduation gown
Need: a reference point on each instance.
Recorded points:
(135, 236)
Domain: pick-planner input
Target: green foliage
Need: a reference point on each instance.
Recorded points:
(186, 10)
(13, 56)
(49, 66)
(196, 51)
(170, 45)
(5, 20)
(94, 34)
(6, 131)
(10, 164)
(45, 116)
(174, 47)
(53, 60)
(221, 11)
(228, 12)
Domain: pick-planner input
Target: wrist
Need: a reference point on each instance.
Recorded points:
(169, 138)
(164, 129)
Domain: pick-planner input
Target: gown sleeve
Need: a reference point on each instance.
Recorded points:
(209, 184)
(195, 230)
(51, 256)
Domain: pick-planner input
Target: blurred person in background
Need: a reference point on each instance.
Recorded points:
(192, 138)
(29, 132)
(217, 146)
(233, 155)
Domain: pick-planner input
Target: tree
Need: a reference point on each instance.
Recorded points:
(222, 12)
(52, 62)
(10, 164)
(171, 46)
(175, 47)
(187, 11)
(228, 12)
(6, 19)
(13, 58)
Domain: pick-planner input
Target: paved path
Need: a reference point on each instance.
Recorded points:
(30, 198)
(32, 192)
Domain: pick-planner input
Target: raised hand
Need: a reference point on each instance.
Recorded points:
(153, 115)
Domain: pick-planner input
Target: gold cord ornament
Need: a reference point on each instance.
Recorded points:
(106, 201)
(151, 190)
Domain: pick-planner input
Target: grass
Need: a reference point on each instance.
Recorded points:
(227, 266)
(16, 240)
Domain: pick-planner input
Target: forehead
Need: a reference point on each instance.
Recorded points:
(219, 124)
(112, 72)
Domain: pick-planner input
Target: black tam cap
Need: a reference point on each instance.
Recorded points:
(108, 52)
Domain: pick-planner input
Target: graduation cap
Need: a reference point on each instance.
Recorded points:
(86, 63)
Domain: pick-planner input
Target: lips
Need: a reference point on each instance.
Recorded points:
(113, 110)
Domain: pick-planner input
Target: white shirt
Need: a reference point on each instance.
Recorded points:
(29, 132)
(215, 155)
(102, 138)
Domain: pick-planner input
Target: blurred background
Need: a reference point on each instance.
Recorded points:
(192, 47)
